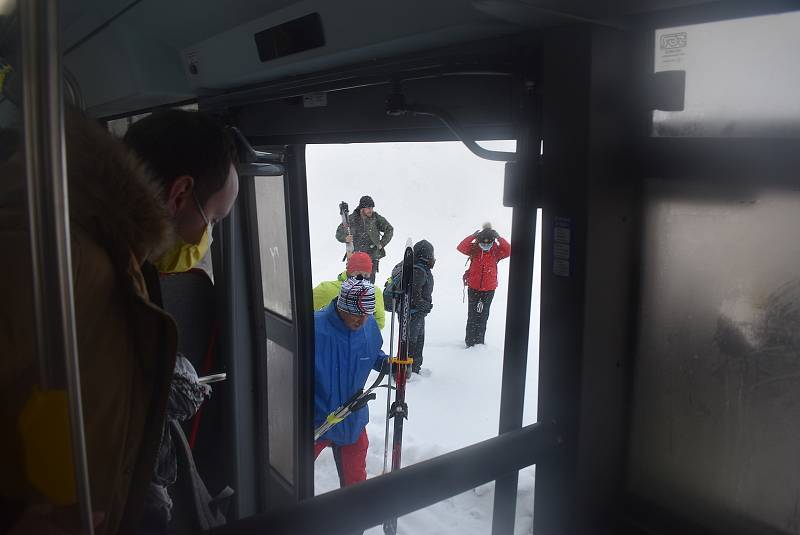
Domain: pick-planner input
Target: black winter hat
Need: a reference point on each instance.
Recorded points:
(424, 250)
(487, 235)
(365, 202)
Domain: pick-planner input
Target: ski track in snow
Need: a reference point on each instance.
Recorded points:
(449, 194)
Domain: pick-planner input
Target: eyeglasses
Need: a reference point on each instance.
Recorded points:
(202, 212)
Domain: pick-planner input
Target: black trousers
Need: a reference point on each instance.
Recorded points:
(416, 340)
(477, 315)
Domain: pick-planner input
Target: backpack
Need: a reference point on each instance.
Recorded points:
(465, 276)
(388, 299)
(465, 279)
(391, 287)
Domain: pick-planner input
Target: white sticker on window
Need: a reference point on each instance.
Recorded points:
(672, 50)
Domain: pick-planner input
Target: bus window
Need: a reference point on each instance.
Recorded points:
(741, 77)
(273, 245)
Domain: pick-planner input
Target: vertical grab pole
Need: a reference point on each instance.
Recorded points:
(45, 163)
(522, 192)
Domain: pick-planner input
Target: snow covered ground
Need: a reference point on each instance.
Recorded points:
(446, 194)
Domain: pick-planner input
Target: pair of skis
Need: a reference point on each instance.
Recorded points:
(344, 212)
(399, 409)
(401, 365)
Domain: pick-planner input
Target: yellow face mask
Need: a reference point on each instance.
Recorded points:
(184, 256)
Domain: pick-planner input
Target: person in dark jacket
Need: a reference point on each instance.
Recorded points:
(126, 213)
(485, 249)
(193, 158)
(421, 299)
(126, 344)
(370, 232)
(347, 347)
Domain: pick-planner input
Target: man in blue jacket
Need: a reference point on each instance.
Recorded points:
(348, 346)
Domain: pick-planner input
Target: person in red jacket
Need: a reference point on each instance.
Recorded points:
(485, 249)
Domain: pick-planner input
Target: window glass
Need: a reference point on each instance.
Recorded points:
(273, 244)
(717, 378)
(741, 77)
(280, 396)
(530, 415)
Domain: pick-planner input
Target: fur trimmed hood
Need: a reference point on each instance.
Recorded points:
(111, 195)
(126, 343)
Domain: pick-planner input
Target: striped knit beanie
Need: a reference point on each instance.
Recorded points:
(357, 296)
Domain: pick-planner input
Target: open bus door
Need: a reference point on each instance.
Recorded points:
(272, 253)
(269, 332)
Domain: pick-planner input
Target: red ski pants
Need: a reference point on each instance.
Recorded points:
(351, 459)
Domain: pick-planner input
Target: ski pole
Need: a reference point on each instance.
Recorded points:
(389, 391)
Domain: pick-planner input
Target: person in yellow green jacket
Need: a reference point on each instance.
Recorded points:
(358, 264)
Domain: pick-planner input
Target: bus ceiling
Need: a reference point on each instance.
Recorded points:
(133, 55)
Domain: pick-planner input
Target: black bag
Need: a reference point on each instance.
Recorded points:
(392, 287)
(389, 289)
(465, 276)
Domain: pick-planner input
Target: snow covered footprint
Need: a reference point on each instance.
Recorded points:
(416, 376)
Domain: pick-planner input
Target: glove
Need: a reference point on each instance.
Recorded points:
(186, 393)
(493, 234)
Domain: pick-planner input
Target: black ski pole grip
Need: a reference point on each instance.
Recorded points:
(363, 401)
(354, 397)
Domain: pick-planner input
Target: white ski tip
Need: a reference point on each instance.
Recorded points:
(409, 243)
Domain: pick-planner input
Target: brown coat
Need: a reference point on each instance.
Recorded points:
(126, 344)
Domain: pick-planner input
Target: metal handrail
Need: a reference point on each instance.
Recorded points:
(396, 106)
(369, 503)
(247, 154)
(74, 93)
(45, 160)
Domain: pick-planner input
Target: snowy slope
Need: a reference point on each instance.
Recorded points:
(447, 193)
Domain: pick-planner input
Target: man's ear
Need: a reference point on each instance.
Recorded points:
(179, 193)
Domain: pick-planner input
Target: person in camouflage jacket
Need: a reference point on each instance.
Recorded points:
(370, 232)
